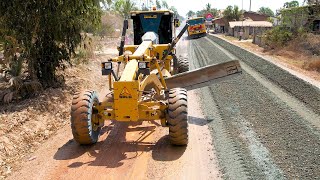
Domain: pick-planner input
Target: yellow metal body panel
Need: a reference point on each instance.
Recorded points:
(159, 49)
(197, 29)
(131, 48)
(151, 111)
(147, 111)
(203, 31)
(129, 73)
(143, 49)
(152, 81)
(128, 103)
(126, 97)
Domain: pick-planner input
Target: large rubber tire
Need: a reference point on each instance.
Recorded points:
(81, 117)
(178, 116)
(183, 65)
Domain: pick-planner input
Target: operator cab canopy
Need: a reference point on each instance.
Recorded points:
(158, 22)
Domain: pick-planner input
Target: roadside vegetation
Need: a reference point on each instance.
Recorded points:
(298, 35)
(48, 51)
(207, 9)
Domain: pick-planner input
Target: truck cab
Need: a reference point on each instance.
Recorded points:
(197, 27)
(160, 22)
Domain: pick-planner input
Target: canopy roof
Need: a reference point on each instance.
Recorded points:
(250, 24)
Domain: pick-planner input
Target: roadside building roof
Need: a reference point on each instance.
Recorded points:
(250, 24)
(256, 13)
(194, 18)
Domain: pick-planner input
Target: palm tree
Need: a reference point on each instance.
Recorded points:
(158, 4)
(175, 11)
(123, 7)
(190, 14)
(165, 4)
(208, 7)
(232, 13)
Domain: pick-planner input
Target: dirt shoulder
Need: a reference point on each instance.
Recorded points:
(288, 60)
(25, 125)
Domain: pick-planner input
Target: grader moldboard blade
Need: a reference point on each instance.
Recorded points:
(205, 76)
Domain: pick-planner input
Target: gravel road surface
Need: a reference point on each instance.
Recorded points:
(265, 123)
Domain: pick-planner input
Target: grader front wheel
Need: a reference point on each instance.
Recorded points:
(183, 65)
(178, 116)
(180, 64)
(83, 117)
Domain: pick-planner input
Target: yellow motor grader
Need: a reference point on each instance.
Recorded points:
(153, 84)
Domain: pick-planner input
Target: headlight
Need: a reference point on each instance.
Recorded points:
(107, 65)
(144, 68)
(142, 65)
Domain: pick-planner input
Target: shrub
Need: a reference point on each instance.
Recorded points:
(49, 31)
(278, 37)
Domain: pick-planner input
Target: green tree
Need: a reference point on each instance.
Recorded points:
(291, 4)
(165, 4)
(174, 9)
(267, 11)
(190, 14)
(311, 2)
(123, 7)
(232, 13)
(158, 4)
(48, 31)
(208, 7)
(201, 13)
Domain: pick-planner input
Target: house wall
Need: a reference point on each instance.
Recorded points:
(220, 25)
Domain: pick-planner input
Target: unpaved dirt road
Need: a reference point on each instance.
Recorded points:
(264, 124)
(128, 151)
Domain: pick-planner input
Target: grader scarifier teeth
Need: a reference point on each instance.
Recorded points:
(204, 76)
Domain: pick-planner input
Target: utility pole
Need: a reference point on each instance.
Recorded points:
(242, 14)
(250, 6)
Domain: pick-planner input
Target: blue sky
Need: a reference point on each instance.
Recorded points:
(184, 6)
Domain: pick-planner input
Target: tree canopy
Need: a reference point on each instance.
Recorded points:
(207, 9)
(190, 13)
(266, 11)
(291, 4)
(47, 31)
(165, 4)
(123, 7)
(232, 13)
(311, 2)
